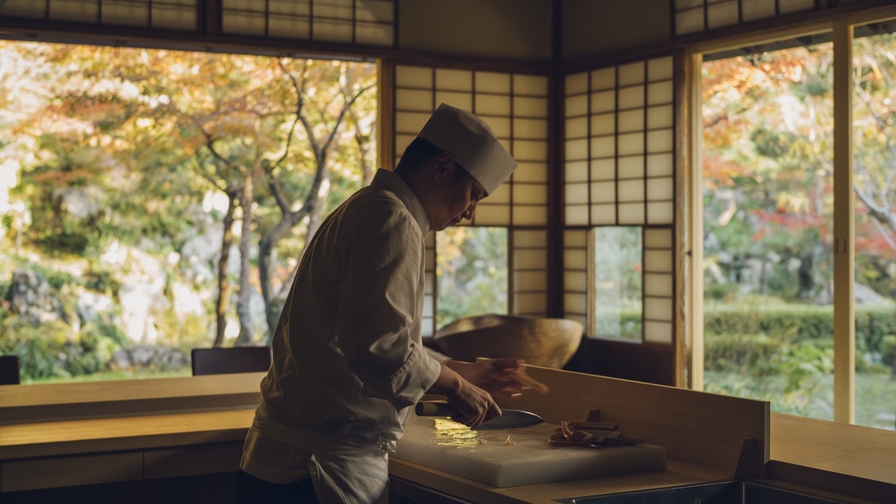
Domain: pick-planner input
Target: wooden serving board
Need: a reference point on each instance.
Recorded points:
(523, 460)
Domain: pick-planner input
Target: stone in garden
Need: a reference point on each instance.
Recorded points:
(31, 297)
(77, 202)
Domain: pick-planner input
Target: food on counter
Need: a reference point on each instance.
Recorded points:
(450, 433)
(591, 435)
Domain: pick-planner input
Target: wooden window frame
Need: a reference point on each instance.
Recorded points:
(841, 28)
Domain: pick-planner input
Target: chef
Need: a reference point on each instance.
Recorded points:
(348, 355)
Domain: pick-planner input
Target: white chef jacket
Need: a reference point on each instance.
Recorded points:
(348, 355)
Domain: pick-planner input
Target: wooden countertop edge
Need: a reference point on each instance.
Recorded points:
(677, 473)
(837, 483)
(864, 453)
(70, 437)
(68, 401)
(60, 449)
(125, 409)
(816, 453)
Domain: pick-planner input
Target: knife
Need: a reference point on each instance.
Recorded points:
(510, 419)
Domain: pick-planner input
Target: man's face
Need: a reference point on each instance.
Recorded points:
(458, 200)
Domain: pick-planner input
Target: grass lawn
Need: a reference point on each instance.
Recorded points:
(875, 395)
(114, 375)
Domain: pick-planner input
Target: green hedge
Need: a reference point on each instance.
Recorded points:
(797, 323)
(735, 337)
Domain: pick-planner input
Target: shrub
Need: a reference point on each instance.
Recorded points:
(796, 323)
(100, 280)
(888, 350)
(54, 350)
(738, 352)
(39, 348)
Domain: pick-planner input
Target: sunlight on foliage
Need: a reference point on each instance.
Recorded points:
(768, 210)
(142, 192)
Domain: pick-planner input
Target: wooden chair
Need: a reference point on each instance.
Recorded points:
(247, 359)
(9, 370)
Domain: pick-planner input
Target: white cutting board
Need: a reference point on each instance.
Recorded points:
(527, 461)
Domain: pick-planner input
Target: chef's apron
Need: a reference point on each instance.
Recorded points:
(341, 471)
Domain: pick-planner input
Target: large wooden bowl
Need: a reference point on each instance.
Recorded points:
(548, 342)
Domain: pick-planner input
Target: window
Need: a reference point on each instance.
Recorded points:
(367, 22)
(619, 178)
(164, 14)
(798, 249)
(472, 272)
(515, 106)
(874, 158)
(132, 195)
(693, 16)
(618, 282)
(347, 21)
(767, 227)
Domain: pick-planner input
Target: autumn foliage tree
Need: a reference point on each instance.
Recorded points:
(165, 127)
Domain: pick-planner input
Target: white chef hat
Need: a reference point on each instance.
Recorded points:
(473, 144)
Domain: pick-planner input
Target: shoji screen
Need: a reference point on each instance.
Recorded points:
(349, 21)
(576, 275)
(162, 14)
(515, 106)
(692, 16)
(619, 171)
(658, 296)
(369, 22)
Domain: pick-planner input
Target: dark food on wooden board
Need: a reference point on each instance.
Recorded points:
(591, 435)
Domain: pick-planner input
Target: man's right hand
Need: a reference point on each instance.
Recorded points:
(474, 405)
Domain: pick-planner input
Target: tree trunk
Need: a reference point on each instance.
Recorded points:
(763, 274)
(245, 294)
(223, 284)
(316, 215)
(367, 157)
(265, 249)
(272, 305)
(807, 283)
(893, 370)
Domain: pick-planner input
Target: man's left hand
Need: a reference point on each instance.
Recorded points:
(495, 376)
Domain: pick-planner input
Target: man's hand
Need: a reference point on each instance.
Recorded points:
(495, 376)
(474, 405)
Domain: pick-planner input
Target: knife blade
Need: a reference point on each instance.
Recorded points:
(509, 419)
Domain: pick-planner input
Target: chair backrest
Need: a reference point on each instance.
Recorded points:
(9, 370)
(248, 359)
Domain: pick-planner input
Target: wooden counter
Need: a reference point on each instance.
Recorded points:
(207, 437)
(57, 401)
(849, 459)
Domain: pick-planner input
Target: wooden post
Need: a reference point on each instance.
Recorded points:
(844, 229)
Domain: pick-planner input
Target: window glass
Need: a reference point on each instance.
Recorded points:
(124, 224)
(618, 280)
(768, 210)
(874, 165)
(471, 269)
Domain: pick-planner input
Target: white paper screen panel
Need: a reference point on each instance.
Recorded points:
(694, 16)
(370, 22)
(429, 296)
(658, 297)
(575, 275)
(513, 105)
(619, 145)
(529, 274)
(165, 14)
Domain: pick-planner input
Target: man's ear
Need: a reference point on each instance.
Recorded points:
(443, 167)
